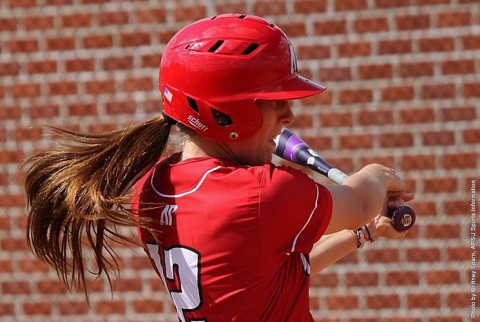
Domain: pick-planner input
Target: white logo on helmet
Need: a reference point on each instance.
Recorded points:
(196, 122)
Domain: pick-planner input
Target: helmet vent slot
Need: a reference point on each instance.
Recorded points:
(193, 104)
(250, 49)
(215, 46)
(242, 16)
(221, 119)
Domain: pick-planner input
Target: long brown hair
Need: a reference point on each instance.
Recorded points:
(78, 196)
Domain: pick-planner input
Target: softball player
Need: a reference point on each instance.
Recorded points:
(228, 232)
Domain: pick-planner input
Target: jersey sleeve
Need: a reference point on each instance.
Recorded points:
(294, 211)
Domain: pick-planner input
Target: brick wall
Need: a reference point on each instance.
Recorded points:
(403, 90)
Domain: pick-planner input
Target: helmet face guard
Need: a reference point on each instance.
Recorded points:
(213, 70)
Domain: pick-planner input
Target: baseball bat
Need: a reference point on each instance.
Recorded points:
(290, 147)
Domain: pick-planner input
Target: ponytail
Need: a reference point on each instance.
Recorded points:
(78, 196)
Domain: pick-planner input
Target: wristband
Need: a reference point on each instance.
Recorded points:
(360, 238)
(369, 236)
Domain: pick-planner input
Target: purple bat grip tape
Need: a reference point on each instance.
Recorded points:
(293, 145)
(403, 218)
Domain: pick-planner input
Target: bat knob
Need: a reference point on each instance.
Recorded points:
(403, 218)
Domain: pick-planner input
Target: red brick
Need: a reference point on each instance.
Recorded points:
(138, 84)
(403, 277)
(339, 302)
(42, 67)
(192, 13)
(454, 19)
(458, 300)
(37, 308)
(62, 88)
(79, 109)
(471, 136)
(456, 208)
(113, 18)
(423, 300)
(461, 67)
(353, 96)
(6, 266)
(417, 69)
(383, 301)
(319, 143)
(10, 112)
(31, 133)
(302, 121)
(102, 127)
(99, 41)
(73, 308)
(361, 279)
(155, 15)
(26, 90)
(100, 86)
(15, 287)
(443, 277)
(76, 20)
(135, 39)
(377, 117)
(61, 43)
(440, 185)
(412, 22)
(330, 27)
(43, 111)
(371, 25)
(375, 71)
(417, 115)
(438, 138)
(325, 280)
(7, 309)
(23, 46)
(470, 42)
(11, 156)
(397, 93)
(118, 63)
(353, 49)
(471, 90)
(458, 113)
(9, 69)
(22, 3)
(264, 8)
(152, 60)
(397, 46)
(80, 65)
(460, 161)
(313, 51)
(395, 140)
(38, 22)
(336, 74)
(294, 29)
(126, 107)
(309, 6)
(110, 307)
(332, 119)
(418, 162)
(51, 287)
(438, 91)
(440, 44)
(361, 141)
(31, 265)
(8, 24)
(349, 5)
(461, 254)
(425, 255)
(391, 3)
(443, 231)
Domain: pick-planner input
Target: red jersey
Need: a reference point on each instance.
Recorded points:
(233, 240)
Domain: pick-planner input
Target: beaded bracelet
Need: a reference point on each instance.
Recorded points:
(360, 238)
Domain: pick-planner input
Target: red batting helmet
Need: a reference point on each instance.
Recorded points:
(213, 70)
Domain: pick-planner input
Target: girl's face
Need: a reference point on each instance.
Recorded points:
(258, 149)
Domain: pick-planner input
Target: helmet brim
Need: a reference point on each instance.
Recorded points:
(292, 88)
